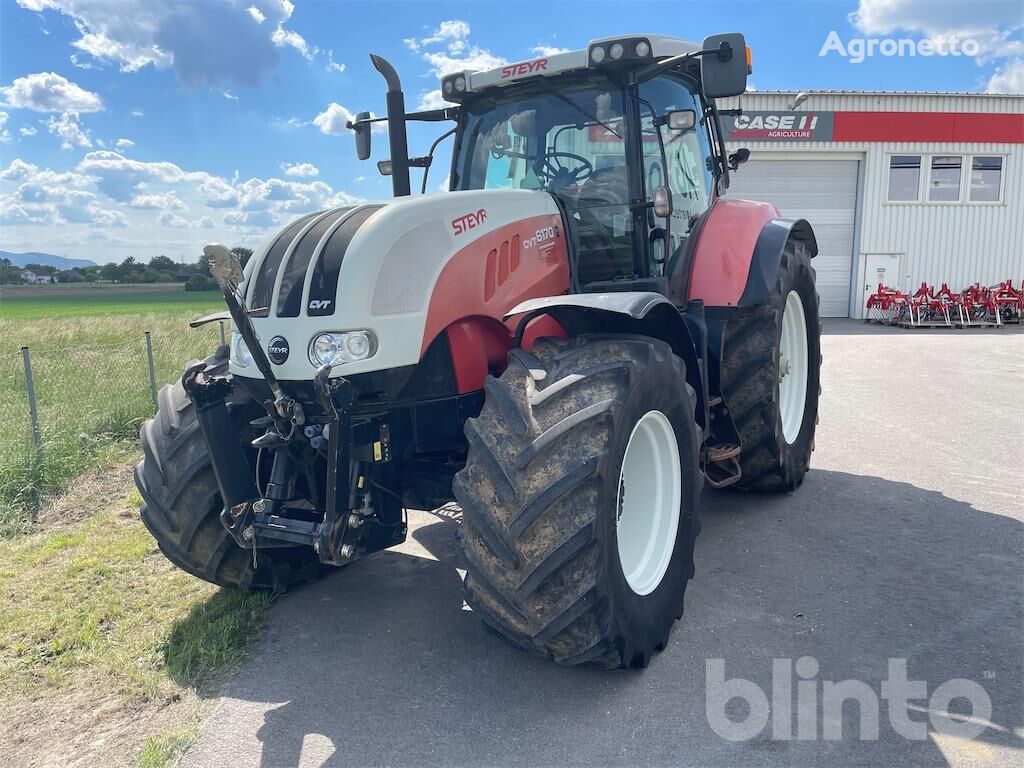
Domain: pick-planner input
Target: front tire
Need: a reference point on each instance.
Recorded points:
(561, 560)
(182, 504)
(771, 377)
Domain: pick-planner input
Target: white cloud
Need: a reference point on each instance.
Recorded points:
(49, 92)
(27, 130)
(1008, 78)
(203, 222)
(333, 119)
(169, 219)
(285, 38)
(206, 43)
(433, 100)
(5, 135)
(548, 50)
(994, 24)
(452, 50)
(138, 113)
(250, 219)
(229, 96)
(452, 33)
(165, 201)
(300, 169)
(332, 65)
(70, 131)
(124, 143)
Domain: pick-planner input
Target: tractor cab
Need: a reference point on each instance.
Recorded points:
(624, 134)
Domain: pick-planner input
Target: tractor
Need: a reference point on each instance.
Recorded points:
(568, 344)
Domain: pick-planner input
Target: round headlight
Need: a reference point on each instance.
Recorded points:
(616, 51)
(241, 357)
(448, 87)
(643, 48)
(597, 54)
(460, 83)
(324, 349)
(357, 345)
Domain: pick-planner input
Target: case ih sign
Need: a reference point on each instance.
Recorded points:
(780, 126)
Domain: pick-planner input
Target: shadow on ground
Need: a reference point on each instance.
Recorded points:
(381, 664)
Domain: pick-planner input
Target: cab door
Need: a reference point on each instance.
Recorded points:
(680, 161)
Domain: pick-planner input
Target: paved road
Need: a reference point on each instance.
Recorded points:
(905, 542)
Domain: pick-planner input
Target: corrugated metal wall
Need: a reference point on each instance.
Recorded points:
(954, 243)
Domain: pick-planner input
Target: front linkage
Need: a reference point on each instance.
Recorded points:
(342, 524)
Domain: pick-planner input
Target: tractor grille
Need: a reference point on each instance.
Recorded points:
(289, 298)
(263, 288)
(324, 286)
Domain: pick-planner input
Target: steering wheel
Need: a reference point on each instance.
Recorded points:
(555, 173)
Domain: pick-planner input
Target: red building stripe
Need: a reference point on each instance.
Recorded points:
(929, 126)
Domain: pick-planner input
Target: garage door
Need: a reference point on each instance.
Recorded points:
(825, 193)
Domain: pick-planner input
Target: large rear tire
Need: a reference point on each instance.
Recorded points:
(181, 503)
(771, 377)
(579, 499)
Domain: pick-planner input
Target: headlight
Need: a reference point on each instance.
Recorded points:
(460, 83)
(616, 51)
(643, 48)
(597, 54)
(347, 347)
(241, 357)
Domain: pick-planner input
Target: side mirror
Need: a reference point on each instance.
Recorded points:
(724, 73)
(362, 131)
(737, 158)
(225, 267)
(662, 202)
(681, 119)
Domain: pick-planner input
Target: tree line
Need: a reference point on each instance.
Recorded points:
(159, 269)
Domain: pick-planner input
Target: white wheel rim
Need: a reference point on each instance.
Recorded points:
(793, 367)
(647, 502)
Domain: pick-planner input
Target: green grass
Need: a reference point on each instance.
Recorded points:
(94, 611)
(91, 380)
(76, 302)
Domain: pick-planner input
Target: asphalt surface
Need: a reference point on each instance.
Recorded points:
(905, 542)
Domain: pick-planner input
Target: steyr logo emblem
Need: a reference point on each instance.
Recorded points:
(468, 221)
(277, 350)
(524, 68)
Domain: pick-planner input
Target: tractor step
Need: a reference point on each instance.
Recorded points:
(722, 467)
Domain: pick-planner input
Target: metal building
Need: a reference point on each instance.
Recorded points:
(900, 187)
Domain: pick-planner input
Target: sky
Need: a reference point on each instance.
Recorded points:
(145, 127)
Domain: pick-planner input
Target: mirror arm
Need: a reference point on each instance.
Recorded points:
(653, 70)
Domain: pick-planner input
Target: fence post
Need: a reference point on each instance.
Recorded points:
(152, 373)
(37, 436)
(223, 338)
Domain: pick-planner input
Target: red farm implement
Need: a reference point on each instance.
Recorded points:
(977, 306)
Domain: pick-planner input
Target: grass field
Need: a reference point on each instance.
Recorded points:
(98, 631)
(91, 380)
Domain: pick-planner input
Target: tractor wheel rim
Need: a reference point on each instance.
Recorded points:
(793, 367)
(647, 503)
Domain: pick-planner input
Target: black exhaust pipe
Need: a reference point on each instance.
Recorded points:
(396, 126)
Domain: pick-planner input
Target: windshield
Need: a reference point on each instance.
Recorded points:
(570, 142)
(553, 140)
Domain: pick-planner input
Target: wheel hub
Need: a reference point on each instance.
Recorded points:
(793, 362)
(648, 518)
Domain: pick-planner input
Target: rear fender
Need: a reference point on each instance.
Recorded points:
(637, 312)
(738, 254)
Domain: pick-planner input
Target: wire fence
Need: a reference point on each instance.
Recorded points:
(64, 407)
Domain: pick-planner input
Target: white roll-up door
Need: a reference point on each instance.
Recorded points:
(825, 193)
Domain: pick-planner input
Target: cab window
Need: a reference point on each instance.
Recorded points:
(686, 171)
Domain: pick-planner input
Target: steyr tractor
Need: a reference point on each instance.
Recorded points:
(568, 344)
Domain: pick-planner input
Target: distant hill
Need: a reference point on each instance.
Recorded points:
(46, 259)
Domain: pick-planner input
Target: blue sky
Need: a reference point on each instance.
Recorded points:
(138, 127)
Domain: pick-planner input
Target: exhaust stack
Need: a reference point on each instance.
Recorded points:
(399, 146)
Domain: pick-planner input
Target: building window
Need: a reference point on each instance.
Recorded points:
(986, 179)
(904, 178)
(944, 180)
